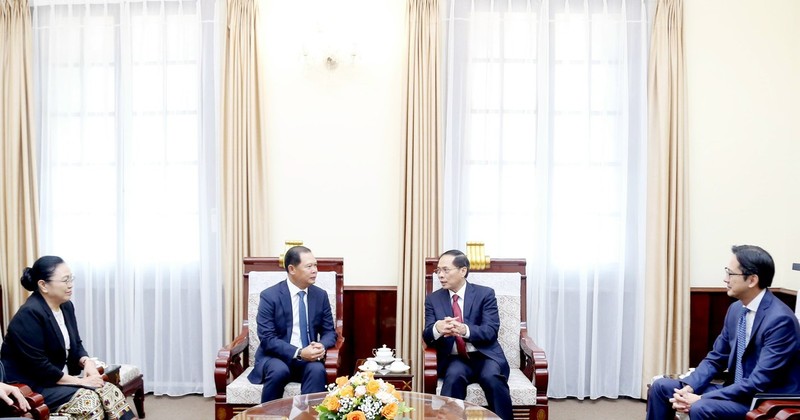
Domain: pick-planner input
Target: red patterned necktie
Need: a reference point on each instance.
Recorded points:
(461, 346)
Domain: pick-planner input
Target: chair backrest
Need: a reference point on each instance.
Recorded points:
(507, 277)
(260, 273)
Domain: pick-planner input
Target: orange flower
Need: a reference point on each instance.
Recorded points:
(355, 415)
(341, 381)
(389, 388)
(397, 395)
(389, 411)
(373, 387)
(331, 403)
(346, 391)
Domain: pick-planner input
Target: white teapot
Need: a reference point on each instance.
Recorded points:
(383, 355)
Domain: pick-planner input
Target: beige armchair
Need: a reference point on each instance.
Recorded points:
(529, 376)
(234, 361)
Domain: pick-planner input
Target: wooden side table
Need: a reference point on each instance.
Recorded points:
(402, 381)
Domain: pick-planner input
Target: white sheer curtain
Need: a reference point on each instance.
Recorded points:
(126, 96)
(545, 108)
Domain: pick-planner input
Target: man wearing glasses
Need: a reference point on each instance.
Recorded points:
(759, 346)
(461, 322)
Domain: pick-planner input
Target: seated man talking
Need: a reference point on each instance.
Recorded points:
(461, 322)
(759, 346)
(295, 326)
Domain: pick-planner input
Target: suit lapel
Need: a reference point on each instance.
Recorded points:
(56, 330)
(311, 309)
(444, 302)
(286, 303)
(763, 307)
(468, 298)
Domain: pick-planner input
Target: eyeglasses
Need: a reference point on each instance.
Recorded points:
(445, 270)
(728, 273)
(66, 280)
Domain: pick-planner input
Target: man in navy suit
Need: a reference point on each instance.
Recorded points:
(759, 346)
(462, 321)
(295, 327)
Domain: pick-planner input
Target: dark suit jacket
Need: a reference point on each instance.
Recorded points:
(274, 323)
(480, 315)
(771, 361)
(33, 351)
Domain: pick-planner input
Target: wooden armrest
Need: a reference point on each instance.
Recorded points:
(429, 371)
(230, 364)
(535, 366)
(769, 409)
(38, 408)
(333, 358)
(788, 413)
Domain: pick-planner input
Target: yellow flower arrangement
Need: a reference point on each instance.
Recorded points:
(361, 397)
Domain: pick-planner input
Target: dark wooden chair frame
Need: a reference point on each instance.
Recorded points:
(533, 361)
(776, 408)
(233, 359)
(39, 409)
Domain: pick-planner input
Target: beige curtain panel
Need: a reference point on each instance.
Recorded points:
(243, 155)
(666, 346)
(422, 212)
(19, 208)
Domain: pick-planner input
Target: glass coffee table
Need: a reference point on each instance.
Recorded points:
(425, 406)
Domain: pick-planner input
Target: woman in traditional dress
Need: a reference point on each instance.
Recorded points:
(43, 349)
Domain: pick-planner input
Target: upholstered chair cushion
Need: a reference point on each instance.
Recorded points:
(507, 291)
(240, 390)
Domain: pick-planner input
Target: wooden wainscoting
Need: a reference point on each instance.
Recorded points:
(370, 320)
(708, 308)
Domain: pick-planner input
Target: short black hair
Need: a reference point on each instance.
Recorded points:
(755, 260)
(42, 269)
(459, 259)
(292, 256)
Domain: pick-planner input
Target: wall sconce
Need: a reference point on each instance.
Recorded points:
(328, 48)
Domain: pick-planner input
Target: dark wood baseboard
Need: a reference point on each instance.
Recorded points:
(370, 319)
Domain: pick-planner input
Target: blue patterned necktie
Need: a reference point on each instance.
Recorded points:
(303, 321)
(741, 343)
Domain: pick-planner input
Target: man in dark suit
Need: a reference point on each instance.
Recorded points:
(759, 346)
(295, 327)
(462, 321)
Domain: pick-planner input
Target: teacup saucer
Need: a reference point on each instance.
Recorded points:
(366, 369)
(399, 369)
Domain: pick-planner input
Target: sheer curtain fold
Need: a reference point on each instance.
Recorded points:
(127, 96)
(19, 223)
(422, 174)
(667, 277)
(243, 152)
(544, 159)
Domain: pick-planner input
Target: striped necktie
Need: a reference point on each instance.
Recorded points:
(303, 320)
(741, 343)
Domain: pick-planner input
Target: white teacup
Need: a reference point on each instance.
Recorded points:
(397, 364)
(371, 365)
